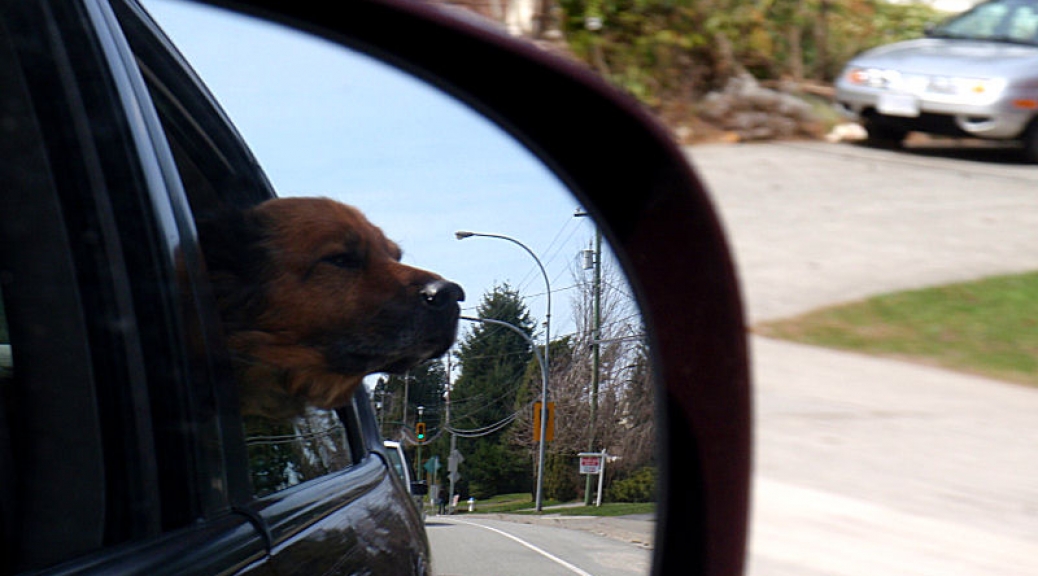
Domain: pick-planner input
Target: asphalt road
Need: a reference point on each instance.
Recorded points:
(868, 466)
(480, 546)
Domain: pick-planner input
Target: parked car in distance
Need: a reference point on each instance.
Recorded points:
(974, 75)
(398, 459)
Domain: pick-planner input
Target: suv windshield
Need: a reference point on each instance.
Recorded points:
(1003, 21)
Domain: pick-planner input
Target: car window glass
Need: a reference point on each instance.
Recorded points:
(282, 451)
(1024, 24)
(288, 449)
(983, 22)
(398, 465)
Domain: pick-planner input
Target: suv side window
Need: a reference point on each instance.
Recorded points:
(218, 176)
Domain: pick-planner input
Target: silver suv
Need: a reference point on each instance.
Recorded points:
(975, 75)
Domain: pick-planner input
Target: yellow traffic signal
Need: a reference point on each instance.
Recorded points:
(419, 431)
(549, 432)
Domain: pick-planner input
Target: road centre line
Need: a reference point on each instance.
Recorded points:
(540, 551)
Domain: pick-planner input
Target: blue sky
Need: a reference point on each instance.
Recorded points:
(324, 121)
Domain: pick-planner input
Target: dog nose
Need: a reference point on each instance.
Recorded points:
(441, 293)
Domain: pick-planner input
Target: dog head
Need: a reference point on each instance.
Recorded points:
(314, 297)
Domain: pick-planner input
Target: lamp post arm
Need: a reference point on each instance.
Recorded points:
(461, 235)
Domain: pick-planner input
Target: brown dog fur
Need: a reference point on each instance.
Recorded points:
(314, 297)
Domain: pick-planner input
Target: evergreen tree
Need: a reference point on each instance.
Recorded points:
(493, 360)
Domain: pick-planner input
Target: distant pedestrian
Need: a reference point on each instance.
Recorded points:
(442, 501)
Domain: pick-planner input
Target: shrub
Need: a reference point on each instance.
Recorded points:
(638, 487)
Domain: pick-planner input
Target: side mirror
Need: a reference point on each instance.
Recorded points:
(419, 488)
(626, 170)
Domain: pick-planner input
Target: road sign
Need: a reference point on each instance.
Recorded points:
(549, 432)
(454, 477)
(454, 460)
(590, 463)
(432, 465)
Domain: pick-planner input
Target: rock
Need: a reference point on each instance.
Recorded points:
(754, 112)
(848, 131)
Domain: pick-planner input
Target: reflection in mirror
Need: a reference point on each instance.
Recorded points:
(327, 122)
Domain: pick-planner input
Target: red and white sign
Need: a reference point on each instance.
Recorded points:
(590, 463)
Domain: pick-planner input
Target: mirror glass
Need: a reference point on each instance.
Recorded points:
(325, 121)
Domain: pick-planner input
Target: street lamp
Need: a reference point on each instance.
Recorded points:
(461, 235)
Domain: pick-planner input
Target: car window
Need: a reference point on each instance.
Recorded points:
(981, 22)
(396, 458)
(1024, 25)
(1008, 20)
(221, 180)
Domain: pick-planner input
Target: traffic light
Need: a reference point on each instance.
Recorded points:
(419, 431)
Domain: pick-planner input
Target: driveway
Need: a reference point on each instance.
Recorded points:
(867, 466)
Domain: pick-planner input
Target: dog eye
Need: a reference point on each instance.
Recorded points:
(348, 261)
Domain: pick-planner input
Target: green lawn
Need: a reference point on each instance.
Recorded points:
(504, 503)
(988, 327)
(606, 509)
(522, 503)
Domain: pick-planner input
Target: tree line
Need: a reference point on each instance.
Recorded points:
(495, 380)
(670, 53)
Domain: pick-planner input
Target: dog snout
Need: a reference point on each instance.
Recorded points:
(440, 294)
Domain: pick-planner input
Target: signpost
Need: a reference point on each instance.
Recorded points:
(594, 463)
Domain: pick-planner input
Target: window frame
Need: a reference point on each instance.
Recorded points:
(189, 106)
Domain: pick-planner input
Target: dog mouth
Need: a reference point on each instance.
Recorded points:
(392, 355)
(357, 363)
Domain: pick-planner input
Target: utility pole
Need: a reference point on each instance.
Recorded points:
(596, 338)
(407, 398)
(452, 466)
(382, 407)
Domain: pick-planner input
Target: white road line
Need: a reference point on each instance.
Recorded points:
(540, 551)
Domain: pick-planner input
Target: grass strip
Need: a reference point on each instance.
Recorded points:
(988, 327)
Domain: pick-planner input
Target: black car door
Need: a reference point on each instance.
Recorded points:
(112, 431)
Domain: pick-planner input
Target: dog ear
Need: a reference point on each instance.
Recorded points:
(232, 244)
